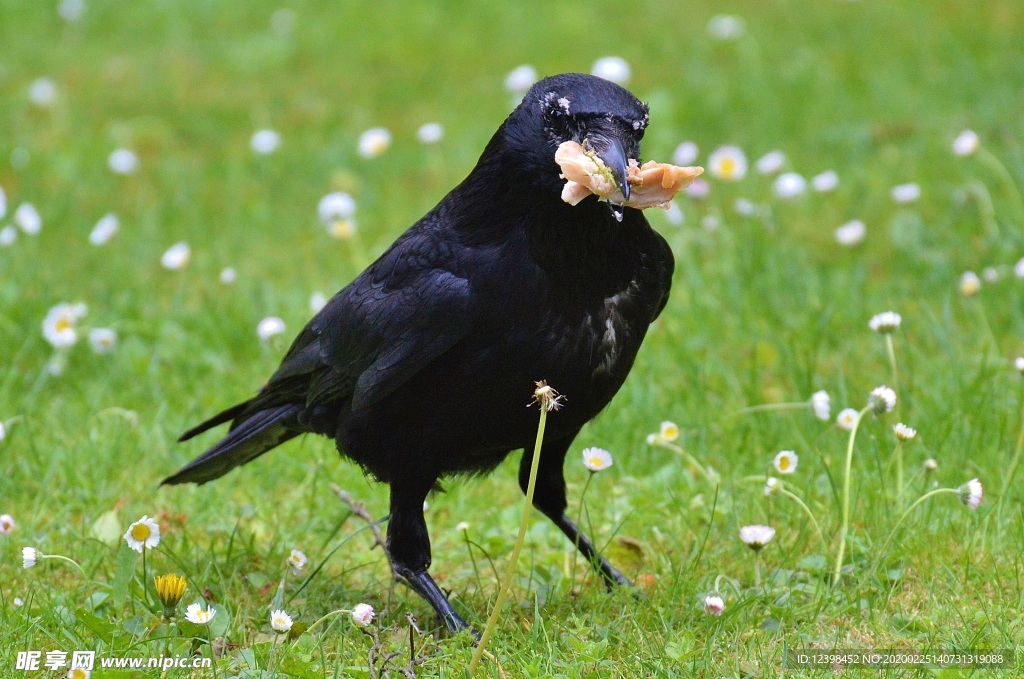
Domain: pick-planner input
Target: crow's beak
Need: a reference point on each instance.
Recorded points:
(614, 156)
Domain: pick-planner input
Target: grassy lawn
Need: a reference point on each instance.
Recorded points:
(767, 308)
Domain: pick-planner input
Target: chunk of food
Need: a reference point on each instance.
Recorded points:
(652, 184)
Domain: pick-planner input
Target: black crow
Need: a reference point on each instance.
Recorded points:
(423, 366)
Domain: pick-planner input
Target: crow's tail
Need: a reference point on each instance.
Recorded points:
(247, 440)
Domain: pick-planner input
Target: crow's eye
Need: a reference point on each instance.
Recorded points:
(557, 119)
(640, 133)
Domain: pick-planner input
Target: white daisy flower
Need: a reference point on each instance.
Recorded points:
(790, 185)
(269, 327)
(728, 163)
(771, 486)
(745, 208)
(668, 431)
(29, 556)
(990, 274)
(713, 605)
(430, 133)
(885, 322)
(1018, 363)
(785, 462)
(143, 534)
(317, 301)
(851, 233)
(363, 614)
(906, 193)
(825, 182)
(280, 622)
(8, 235)
(882, 399)
(7, 524)
(1018, 268)
(123, 161)
(59, 324)
(726, 27)
(966, 143)
(903, 432)
(18, 602)
(336, 211)
(105, 229)
(79, 673)
(197, 615)
(176, 257)
(374, 142)
(71, 11)
(756, 536)
(228, 275)
(612, 68)
(297, 560)
(596, 459)
(970, 284)
(930, 464)
(700, 188)
(462, 526)
(771, 162)
(674, 214)
(28, 220)
(103, 340)
(847, 418)
(821, 404)
(265, 141)
(685, 154)
(520, 79)
(3, 430)
(970, 494)
(42, 92)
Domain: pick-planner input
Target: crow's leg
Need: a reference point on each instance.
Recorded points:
(408, 546)
(549, 498)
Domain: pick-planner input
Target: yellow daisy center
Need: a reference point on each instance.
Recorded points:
(62, 324)
(342, 229)
(141, 532)
(784, 463)
(77, 673)
(727, 166)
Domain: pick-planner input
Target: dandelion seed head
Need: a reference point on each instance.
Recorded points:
(462, 526)
(546, 396)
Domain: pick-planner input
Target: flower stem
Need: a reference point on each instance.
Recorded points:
(60, 557)
(906, 513)
(572, 571)
(838, 570)
(757, 569)
(770, 406)
(325, 616)
(897, 454)
(807, 510)
(524, 523)
(712, 478)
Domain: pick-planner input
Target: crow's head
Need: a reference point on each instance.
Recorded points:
(581, 108)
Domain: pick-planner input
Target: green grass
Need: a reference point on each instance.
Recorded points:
(763, 310)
